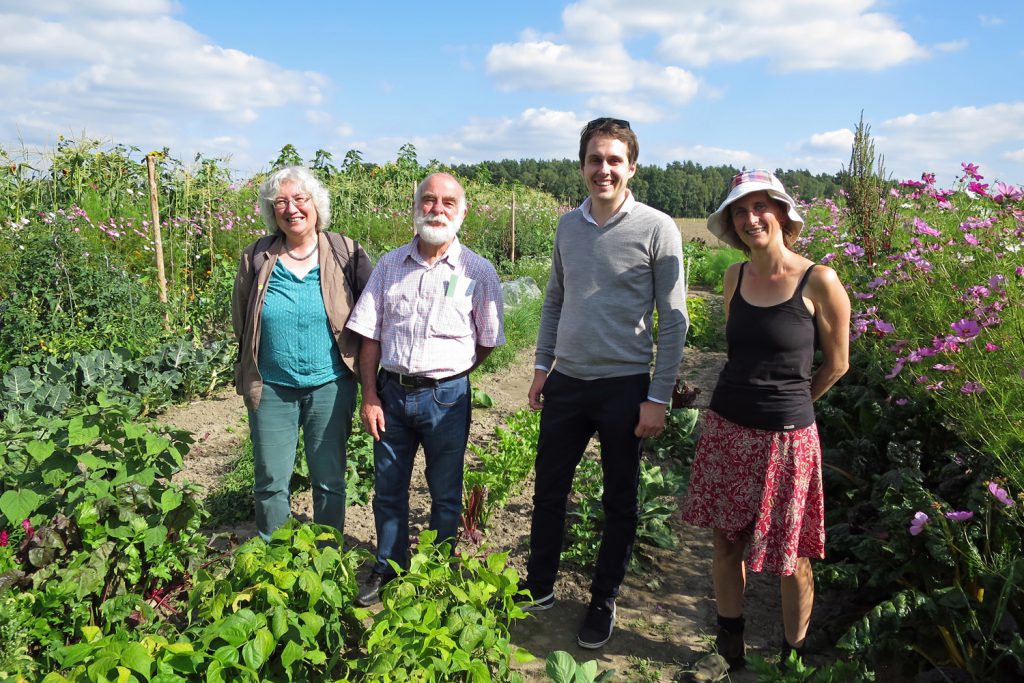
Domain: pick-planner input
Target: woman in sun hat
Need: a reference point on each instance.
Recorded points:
(756, 478)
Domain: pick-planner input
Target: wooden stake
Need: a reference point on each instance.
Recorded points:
(158, 241)
(512, 255)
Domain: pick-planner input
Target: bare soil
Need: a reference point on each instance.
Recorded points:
(664, 616)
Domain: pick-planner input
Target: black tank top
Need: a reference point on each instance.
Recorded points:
(766, 381)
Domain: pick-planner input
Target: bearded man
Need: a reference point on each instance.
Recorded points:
(431, 313)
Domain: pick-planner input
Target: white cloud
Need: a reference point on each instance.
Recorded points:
(1015, 155)
(534, 133)
(792, 35)
(633, 109)
(831, 141)
(989, 20)
(543, 65)
(795, 35)
(344, 130)
(132, 71)
(712, 156)
(940, 140)
(594, 54)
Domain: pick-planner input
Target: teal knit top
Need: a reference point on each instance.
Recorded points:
(296, 345)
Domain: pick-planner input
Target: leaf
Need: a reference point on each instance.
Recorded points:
(136, 658)
(257, 651)
(561, 667)
(40, 450)
(227, 655)
(170, 499)
(18, 381)
(292, 653)
(481, 399)
(79, 434)
(19, 504)
(279, 621)
(154, 537)
(470, 636)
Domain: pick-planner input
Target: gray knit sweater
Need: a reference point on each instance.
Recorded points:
(605, 284)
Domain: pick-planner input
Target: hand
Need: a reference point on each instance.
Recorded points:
(534, 395)
(372, 416)
(652, 419)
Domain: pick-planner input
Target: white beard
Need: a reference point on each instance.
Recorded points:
(436, 235)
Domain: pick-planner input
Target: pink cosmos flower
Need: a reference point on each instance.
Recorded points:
(884, 327)
(990, 347)
(924, 228)
(945, 367)
(972, 388)
(959, 515)
(1000, 494)
(1007, 192)
(978, 188)
(27, 526)
(971, 239)
(902, 401)
(917, 524)
(966, 329)
(3, 538)
(971, 170)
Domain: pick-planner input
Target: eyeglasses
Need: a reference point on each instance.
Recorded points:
(300, 201)
(598, 122)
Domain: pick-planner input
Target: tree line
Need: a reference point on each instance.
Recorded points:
(683, 189)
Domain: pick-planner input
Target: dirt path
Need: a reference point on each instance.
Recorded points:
(663, 615)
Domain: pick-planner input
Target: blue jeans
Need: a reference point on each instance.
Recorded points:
(438, 418)
(325, 415)
(573, 410)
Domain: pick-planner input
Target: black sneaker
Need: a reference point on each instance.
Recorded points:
(532, 604)
(598, 624)
(369, 591)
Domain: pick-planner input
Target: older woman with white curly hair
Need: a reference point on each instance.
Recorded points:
(296, 366)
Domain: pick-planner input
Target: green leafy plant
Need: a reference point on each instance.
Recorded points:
(501, 470)
(657, 492)
(284, 609)
(446, 618)
(562, 668)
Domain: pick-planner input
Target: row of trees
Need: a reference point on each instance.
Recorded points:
(681, 189)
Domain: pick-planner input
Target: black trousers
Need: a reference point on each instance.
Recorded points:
(574, 410)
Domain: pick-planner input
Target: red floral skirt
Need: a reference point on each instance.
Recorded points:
(761, 484)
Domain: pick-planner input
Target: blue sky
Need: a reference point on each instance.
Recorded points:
(747, 83)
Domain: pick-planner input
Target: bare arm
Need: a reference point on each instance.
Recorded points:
(481, 355)
(832, 312)
(539, 378)
(371, 413)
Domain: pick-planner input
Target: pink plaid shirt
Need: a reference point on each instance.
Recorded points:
(429, 318)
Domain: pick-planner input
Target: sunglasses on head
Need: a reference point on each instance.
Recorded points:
(597, 123)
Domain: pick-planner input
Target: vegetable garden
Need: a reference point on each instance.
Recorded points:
(109, 571)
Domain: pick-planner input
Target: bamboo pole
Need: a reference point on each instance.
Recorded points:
(158, 241)
(512, 254)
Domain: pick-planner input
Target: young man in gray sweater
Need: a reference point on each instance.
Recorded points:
(615, 261)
